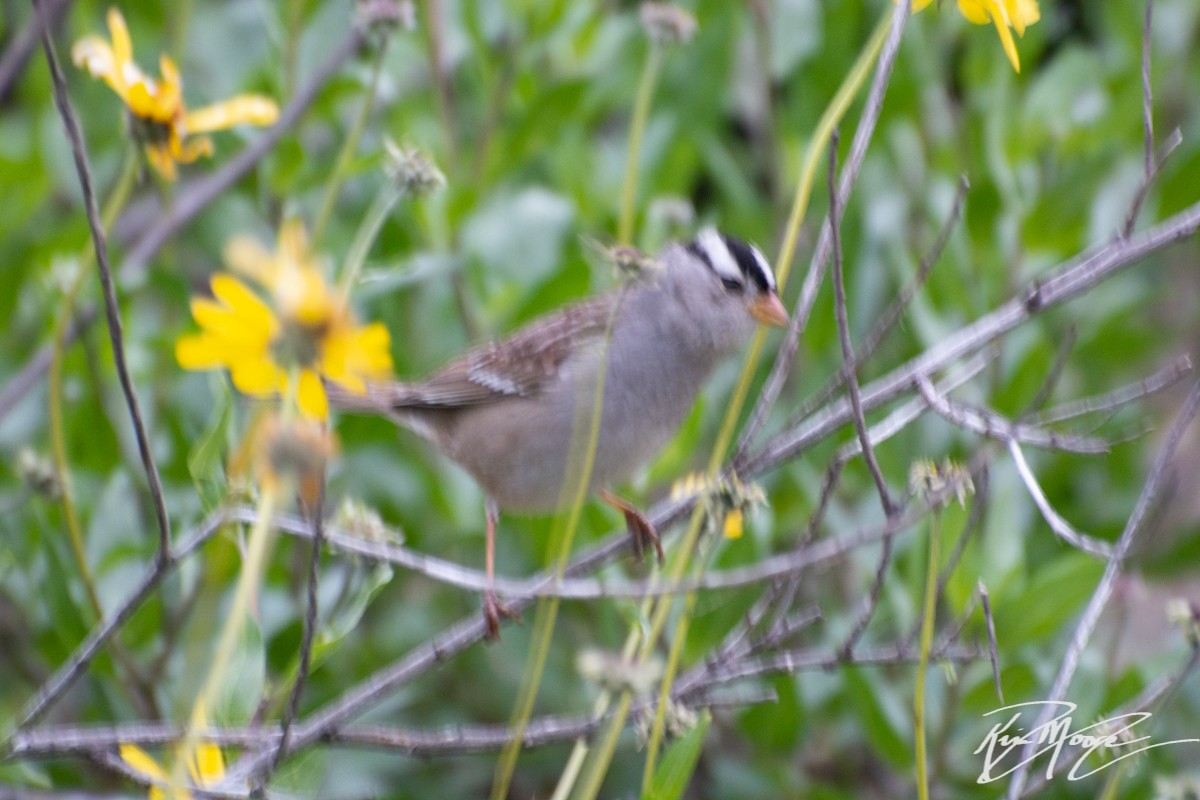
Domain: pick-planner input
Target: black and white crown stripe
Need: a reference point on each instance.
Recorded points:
(733, 259)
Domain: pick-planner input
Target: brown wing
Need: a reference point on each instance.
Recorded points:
(516, 366)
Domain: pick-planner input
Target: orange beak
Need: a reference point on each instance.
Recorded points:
(768, 310)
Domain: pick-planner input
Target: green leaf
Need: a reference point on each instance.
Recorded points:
(205, 462)
(679, 762)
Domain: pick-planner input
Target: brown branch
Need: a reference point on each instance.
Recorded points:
(111, 306)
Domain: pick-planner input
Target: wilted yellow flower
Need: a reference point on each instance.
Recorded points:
(307, 335)
(1004, 14)
(292, 454)
(206, 767)
(158, 117)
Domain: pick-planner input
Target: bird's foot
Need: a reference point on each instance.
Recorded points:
(640, 528)
(493, 610)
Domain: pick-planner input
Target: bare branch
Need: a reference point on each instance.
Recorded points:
(1091, 614)
(1088, 544)
(1072, 279)
(112, 308)
(1164, 378)
(66, 675)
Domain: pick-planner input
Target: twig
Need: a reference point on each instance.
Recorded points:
(1099, 599)
(66, 675)
(21, 47)
(843, 325)
(1166, 377)
(860, 422)
(316, 516)
(1088, 544)
(111, 306)
(57, 741)
(992, 425)
(1072, 279)
(891, 315)
(816, 271)
(1052, 377)
(993, 649)
(1149, 168)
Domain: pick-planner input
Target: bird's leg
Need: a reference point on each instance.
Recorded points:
(639, 527)
(492, 607)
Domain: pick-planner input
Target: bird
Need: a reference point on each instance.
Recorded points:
(512, 412)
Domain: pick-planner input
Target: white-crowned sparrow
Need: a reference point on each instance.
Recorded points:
(510, 412)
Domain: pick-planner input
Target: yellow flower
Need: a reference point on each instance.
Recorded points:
(308, 335)
(1004, 14)
(160, 121)
(734, 524)
(206, 767)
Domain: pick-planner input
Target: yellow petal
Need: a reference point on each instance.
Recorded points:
(310, 395)
(198, 352)
(917, 5)
(159, 157)
(186, 152)
(141, 762)
(251, 311)
(975, 11)
(122, 45)
(734, 524)
(245, 109)
(1006, 39)
(257, 377)
(170, 88)
(293, 242)
(141, 101)
(208, 766)
(93, 54)
(244, 254)
(1022, 14)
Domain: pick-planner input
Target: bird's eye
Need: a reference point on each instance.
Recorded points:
(732, 284)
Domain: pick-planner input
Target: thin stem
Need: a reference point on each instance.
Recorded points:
(389, 194)
(927, 623)
(637, 127)
(346, 154)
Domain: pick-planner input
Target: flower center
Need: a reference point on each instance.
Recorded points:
(298, 344)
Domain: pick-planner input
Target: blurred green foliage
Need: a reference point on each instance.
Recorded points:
(525, 107)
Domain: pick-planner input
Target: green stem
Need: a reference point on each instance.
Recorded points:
(637, 127)
(387, 197)
(349, 146)
(58, 440)
(927, 622)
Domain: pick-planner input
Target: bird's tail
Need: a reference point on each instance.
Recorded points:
(379, 398)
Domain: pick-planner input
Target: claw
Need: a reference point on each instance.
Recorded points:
(640, 528)
(493, 610)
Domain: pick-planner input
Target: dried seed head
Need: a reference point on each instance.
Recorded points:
(386, 13)
(411, 169)
(37, 472)
(667, 23)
